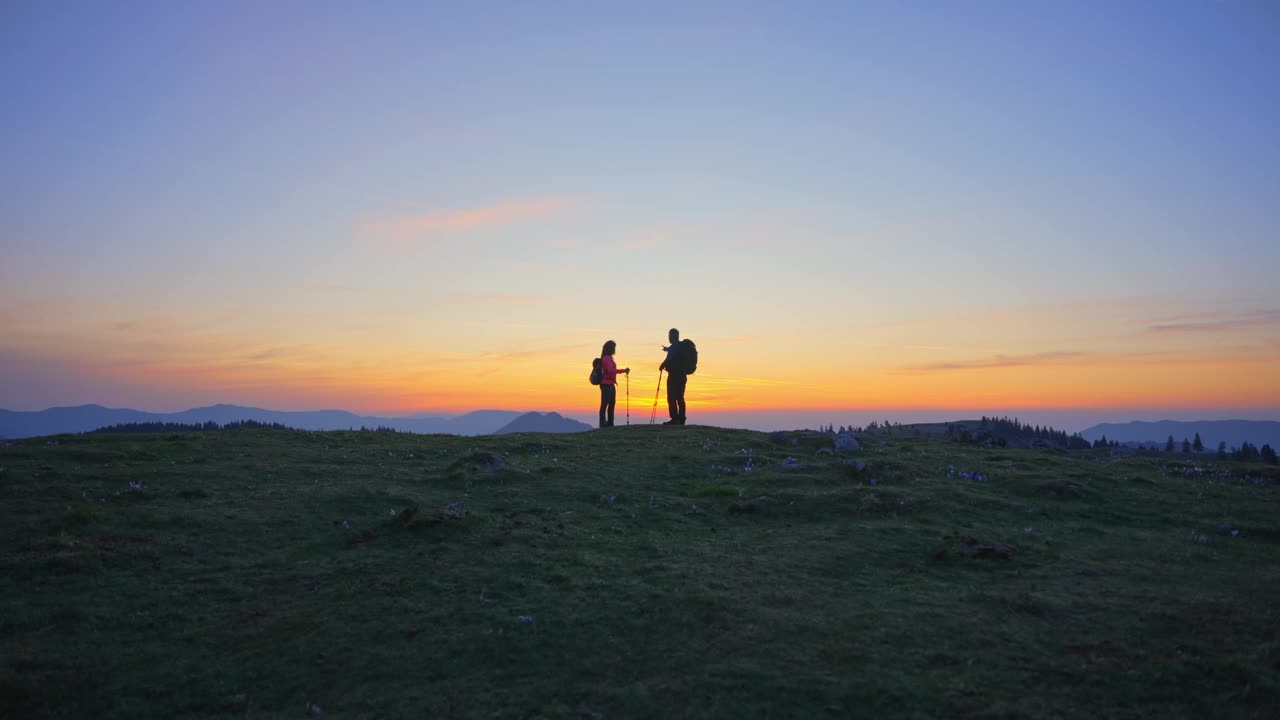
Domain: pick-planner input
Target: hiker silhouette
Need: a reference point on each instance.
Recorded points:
(609, 383)
(682, 358)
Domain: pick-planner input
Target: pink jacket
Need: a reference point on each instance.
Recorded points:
(610, 375)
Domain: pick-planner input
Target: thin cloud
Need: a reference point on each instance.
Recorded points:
(1004, 361)
(281, 353)
(1205, 324)
(647, 240)
(443, 222)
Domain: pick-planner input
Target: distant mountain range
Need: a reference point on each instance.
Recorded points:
(539, 422)
(1232, 432)
(84, 418)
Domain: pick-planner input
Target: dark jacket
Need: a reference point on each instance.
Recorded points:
(674, 363)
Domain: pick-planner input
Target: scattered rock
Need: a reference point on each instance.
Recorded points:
(856, 466)
(482, 461)
(973, 548)
(1223, 529)
(826, 451)
(846, 442)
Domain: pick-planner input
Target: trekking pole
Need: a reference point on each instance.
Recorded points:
(628, 398)
(653, 415)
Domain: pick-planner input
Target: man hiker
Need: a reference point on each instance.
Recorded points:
(677, 378)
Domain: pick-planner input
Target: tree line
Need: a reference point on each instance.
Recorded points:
(1247, 452)
(211, 426)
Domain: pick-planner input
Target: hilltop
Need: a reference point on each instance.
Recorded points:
(542, 422)
(86, 418)
(629, 572)
(1212, 432)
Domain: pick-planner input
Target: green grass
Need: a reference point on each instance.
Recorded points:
(227, 586)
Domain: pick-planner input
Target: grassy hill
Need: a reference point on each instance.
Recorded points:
(632, 572)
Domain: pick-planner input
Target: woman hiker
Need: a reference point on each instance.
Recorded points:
(609, 383)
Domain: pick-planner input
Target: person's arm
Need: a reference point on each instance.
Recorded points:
(673, 357)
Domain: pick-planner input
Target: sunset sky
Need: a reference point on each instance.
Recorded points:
(412, 208)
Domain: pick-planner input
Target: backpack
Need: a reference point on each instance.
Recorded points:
(689, 353)
(597, 371)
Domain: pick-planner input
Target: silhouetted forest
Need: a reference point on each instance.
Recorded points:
(211, 426)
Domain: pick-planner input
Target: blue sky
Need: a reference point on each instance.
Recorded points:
(1090, 168)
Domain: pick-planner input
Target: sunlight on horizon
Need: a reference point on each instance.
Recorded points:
(424, 210)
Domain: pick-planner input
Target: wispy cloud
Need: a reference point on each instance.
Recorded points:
(648, 239)
(448, 221)
(1211, 323)
(1004, 361)
(281, 353)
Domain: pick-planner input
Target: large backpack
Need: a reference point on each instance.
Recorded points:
(689, 353)
(597, 371)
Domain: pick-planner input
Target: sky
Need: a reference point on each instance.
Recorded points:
(1068, 210)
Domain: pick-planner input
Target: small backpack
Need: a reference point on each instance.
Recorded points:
(689, 353)
(597, 371)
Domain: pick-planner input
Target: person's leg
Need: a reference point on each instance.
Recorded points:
(684, 383)
(612, 401)
(675, 398)
(673, 402)
(604, 402)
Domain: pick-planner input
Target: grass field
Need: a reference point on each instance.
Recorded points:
(632, 572)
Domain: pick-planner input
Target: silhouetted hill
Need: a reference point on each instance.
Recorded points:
(1232, 432)
(539, 422)
(84, 418)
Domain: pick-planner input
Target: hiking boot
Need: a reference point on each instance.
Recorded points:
(672, 421)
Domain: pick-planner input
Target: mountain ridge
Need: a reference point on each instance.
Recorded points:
(1212, 432)
(542, 422)
(84, 418)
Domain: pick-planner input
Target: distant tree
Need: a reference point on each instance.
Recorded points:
(1199, 446)
(1248, 452)
(1222, 450)
(1186, 445)
(1168, 446)
(1101, 442)
(1268, 455)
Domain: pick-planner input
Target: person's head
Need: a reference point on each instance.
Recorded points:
(673, 335)
(608, 348)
